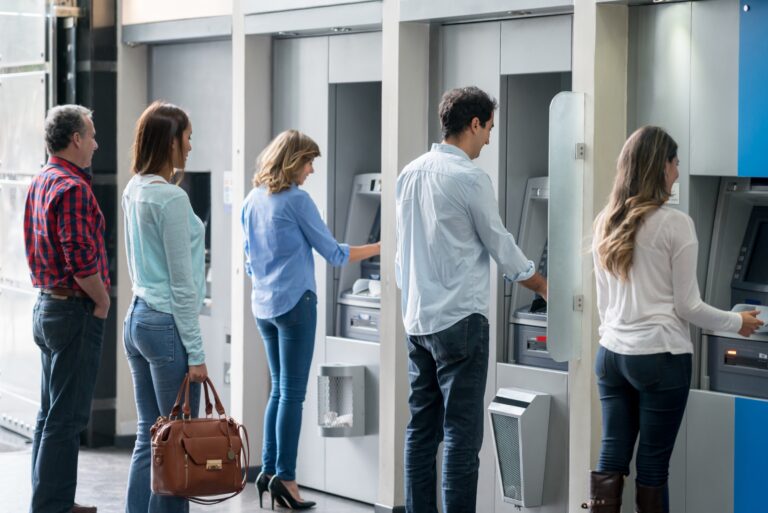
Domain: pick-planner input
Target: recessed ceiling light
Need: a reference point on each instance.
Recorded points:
(287, 34)
(341, 30)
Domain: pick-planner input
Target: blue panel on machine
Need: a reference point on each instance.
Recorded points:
(750, 456)
(753, 100)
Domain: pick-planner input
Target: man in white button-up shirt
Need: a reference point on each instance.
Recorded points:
(448, 225)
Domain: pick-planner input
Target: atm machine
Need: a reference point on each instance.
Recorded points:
(359, 297)
(527, 338)
(735, 364)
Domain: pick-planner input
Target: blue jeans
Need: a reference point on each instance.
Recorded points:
(289, 341)
(447, 372)
(641, 395)
(70, 340)
(158, 364)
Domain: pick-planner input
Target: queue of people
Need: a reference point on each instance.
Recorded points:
(448, 228)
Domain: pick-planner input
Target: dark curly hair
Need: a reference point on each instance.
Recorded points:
(460, 106)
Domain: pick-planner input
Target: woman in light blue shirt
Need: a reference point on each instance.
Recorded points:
(164, 243)
(282, 226)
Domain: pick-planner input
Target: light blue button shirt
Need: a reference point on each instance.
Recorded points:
(447, 225)
(165, 250)
(280, 231)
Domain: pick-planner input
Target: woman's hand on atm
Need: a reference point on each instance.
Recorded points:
(357, 253)
(749, 323)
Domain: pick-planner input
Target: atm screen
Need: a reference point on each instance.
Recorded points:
(757, 272)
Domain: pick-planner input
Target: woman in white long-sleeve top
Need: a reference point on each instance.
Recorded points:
(645, 258)
(164, 242)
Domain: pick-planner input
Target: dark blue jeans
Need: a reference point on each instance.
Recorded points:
(641, 395)
(447, 372)
(289, 341)
(158, 364)
(70, 339)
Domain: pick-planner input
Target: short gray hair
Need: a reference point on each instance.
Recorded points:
(61, 122)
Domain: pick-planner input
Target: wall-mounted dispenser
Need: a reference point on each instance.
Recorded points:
(520, 424)
(341, 400)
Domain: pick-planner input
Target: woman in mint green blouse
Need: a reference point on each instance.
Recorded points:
(164, 242)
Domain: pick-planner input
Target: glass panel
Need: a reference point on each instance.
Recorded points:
(566, 185)
(22, 100)
(19, 361)
(22, 24)
(14, 271)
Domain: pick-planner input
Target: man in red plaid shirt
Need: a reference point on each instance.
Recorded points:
(64, 236)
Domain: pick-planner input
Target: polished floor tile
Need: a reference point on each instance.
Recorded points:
(101, 482)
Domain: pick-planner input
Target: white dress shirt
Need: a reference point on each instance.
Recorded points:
(447, 226)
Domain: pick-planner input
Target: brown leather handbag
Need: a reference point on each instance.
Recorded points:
(199, 458)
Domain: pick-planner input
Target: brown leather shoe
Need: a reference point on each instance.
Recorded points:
(79, 508)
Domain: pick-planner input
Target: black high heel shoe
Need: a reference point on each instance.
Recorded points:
(262, 485)
(279, 492)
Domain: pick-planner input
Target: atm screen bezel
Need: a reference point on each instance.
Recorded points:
(758, 216)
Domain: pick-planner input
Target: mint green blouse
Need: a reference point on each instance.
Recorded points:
(165, 246)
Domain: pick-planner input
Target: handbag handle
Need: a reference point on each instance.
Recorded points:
(219, 407)
(184, 393)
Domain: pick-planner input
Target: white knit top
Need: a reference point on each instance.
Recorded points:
(650, 312)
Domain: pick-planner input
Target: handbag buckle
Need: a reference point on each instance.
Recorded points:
(213, 465)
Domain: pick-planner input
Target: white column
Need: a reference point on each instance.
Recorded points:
(405, 87)
(132, 80)
(251, 130)
(600, 43)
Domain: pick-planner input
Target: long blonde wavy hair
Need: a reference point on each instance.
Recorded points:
(282, 160)
(639, 189)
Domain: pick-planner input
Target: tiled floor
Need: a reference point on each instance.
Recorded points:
(101, 482)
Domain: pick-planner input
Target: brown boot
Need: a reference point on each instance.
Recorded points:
(651, 499)
(604, 492)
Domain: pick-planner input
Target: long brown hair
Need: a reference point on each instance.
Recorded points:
(283, 159)
(639, 189)
(159, 125)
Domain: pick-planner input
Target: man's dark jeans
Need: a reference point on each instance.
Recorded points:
(447, 371)
(70, 340)
(641, 395)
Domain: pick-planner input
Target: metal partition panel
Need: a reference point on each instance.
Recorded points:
(301, 101)
(22, 25)
(351, 464)
(566, 185)
(714, 103)
(659, 78)
(197, 76)
(22, 111)
(354, 58)
(536, 45)
(709, 473)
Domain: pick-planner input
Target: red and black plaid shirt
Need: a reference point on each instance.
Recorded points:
(63, 227)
